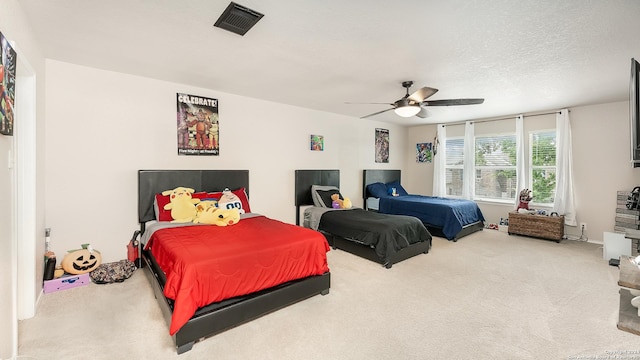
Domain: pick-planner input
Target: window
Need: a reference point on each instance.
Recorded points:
(454, 167)
(494, 163)
(495, 167)
(542, 166)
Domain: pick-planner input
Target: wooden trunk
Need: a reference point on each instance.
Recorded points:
(539, 226)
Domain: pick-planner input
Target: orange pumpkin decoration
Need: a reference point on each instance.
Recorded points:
(81, 261)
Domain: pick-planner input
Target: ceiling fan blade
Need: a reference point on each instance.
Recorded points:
(376, 113)
(361, 103)
(421, 94)
(451, 102)
(423, 113)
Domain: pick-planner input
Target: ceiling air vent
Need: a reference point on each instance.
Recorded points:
(238, 19)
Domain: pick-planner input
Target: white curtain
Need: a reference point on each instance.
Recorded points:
(469, 179)
(563, 203)
(521, 175)
(439, 161)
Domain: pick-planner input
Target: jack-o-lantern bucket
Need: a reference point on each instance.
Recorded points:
(81, 261)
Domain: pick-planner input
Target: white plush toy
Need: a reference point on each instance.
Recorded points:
(229, 201)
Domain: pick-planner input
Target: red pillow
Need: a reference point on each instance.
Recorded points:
(162, 200)
(240, 193)
(158, 207)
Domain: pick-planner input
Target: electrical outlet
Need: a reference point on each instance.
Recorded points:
(583, 226)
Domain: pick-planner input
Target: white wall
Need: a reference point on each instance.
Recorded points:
(417, 178)
(601, 155)
(601, 144)
(102, 127)
(15, 28)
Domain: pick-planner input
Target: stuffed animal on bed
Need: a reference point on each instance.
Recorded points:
(229, 200)
(338, 203)
(205, 204)
(217, 216)
(202, 207)
(181, 204)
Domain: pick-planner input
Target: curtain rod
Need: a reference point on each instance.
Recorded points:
(503, 118)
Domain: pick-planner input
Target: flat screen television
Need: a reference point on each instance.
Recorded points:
(634, 112)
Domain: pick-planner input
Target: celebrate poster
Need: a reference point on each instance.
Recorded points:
(198, 127)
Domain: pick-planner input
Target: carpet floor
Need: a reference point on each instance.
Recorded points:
(487, 296)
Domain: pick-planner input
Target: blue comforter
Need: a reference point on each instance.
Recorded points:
(449, 214)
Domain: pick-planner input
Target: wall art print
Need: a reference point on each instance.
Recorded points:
(317, 143)
(8, 57)
(198, 126)
(382, 145)
(423, 152)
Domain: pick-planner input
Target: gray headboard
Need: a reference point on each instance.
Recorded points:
(383, 176)
(303, 181)
(151, 182)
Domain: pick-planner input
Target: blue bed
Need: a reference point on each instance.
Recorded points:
(444, 217)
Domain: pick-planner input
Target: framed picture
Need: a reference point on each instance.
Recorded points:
(317, 143)
(8, 58)
(197, 125)
(423, 152)
(382, 145)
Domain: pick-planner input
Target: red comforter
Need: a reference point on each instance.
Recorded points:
(207, 263)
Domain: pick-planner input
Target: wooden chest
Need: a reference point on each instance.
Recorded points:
(539, 226)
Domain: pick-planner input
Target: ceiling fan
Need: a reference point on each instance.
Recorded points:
(416, 103)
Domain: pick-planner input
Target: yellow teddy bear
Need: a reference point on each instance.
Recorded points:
(338, 203)
(182, 205)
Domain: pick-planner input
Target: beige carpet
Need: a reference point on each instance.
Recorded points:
(488, 296)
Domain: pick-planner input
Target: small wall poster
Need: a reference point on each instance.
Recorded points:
(8, 58)
(198, 130)
(423, 152)
(382, 145)
(317, 143)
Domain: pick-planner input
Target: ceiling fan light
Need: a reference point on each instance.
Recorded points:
(407, 110)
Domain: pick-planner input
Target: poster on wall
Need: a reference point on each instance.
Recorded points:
(7, 85)
(198, 128)
(317, 143)
(382, 145)
(423, 152)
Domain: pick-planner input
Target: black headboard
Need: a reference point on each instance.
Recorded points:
(373, 176)
(151, 182)
(306, 178)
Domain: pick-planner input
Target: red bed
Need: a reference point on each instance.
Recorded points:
(207, 263)
(208, 278)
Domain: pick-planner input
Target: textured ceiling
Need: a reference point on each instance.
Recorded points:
(521, 56)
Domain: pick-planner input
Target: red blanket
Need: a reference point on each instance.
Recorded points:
(208, 263)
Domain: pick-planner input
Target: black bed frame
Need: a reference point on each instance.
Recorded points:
(387, 176)
(221, 316)
(303, 181)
